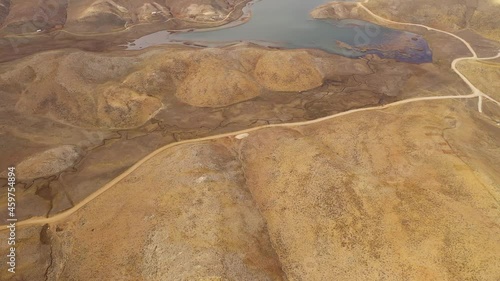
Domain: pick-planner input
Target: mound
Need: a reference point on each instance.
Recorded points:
(106, 14)
(47, 163)
(26, 17)
(81, 89)
(214, 82)
(336, 11)
(4, 10)
(485, 19)
(202, 10)
(288, 71)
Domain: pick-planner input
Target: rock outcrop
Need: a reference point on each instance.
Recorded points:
(157, 96)
(67, 87)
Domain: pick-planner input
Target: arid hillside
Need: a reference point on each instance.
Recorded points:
(486, 75)
(83, 16)
(251, 161)
(28, 27)
(395, 193)
(451, 15)
(78, 113)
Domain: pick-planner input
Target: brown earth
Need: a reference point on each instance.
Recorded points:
(444, 47)
(4, 9)
(345, 198)
(485, 75)
(82, 16)
(408, 192)
(111, 105)
(47, 163)
(95, 25)
(394, 196)
(216, 82)
(477, 25)
(338, 11)
(482, 46)
(125, 91)
(286, 71)
(449, 15)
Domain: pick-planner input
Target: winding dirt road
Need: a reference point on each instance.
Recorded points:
(476, 93)
(454, 63)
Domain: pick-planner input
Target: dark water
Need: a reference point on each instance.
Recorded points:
(287, 24)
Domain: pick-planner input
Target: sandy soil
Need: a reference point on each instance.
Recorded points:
(420, 204)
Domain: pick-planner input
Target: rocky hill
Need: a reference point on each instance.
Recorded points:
(82, 16)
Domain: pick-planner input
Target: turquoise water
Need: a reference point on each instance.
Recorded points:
(287, 24)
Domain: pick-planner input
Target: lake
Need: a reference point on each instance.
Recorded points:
(288, 24)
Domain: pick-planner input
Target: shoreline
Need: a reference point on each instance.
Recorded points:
(18, 46)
